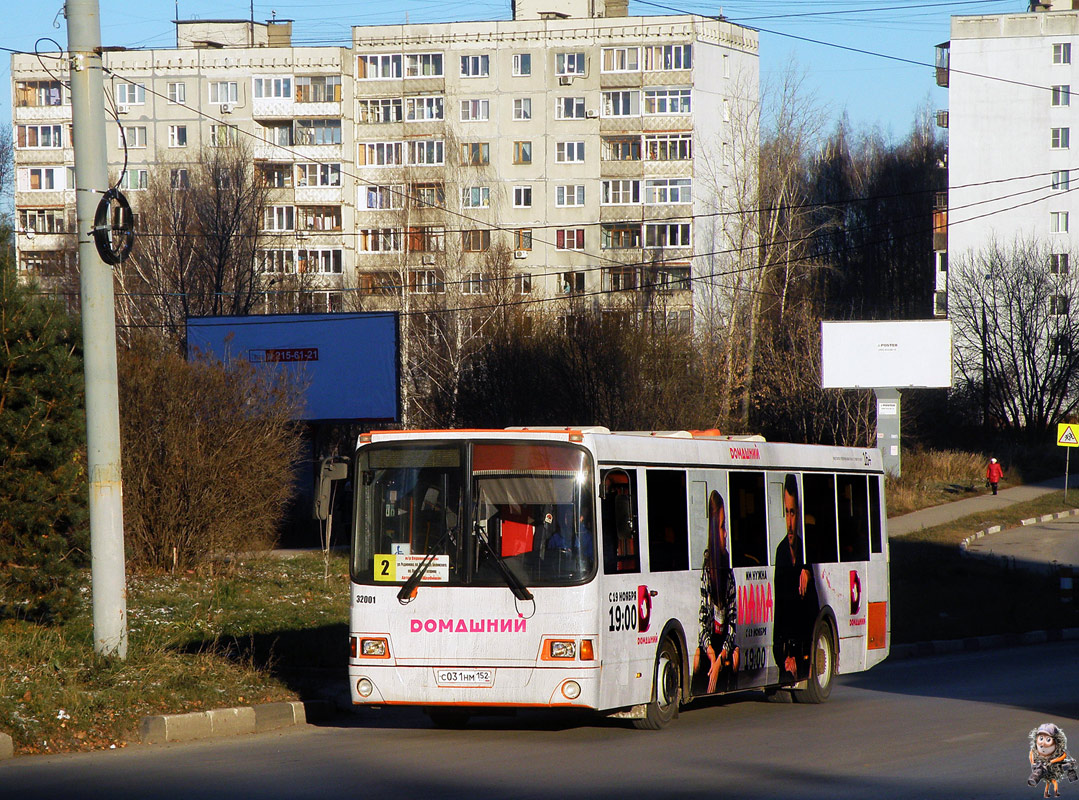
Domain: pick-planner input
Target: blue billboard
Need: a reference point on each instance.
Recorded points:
(348, 363)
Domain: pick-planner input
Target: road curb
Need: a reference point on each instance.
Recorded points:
(978, 643)
(1024, 522)
(219, 722)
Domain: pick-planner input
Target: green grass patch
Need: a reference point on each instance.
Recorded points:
(266, 629)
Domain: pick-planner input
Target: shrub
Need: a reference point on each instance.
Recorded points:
(43, 535)
(208, 456)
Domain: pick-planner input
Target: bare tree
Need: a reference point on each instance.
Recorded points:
(1015, 333)
(199, 233)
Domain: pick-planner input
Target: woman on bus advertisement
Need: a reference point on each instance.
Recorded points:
(796, 603)
(719, 605)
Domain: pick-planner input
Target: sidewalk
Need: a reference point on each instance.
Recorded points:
(949, 512)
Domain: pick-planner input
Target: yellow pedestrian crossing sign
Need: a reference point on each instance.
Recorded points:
(1068, 434)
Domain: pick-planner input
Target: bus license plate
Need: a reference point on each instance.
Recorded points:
(465, 677)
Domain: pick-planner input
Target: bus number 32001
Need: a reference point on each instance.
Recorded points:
(623, 618)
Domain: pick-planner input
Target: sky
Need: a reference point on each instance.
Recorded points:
(873, 92)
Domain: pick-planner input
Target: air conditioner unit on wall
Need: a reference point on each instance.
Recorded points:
(226, 108)
(122, 109)
(428, 259)
(565, 80)
(591, 114)
(520, 254)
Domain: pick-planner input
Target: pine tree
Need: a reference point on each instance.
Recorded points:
(43, 532)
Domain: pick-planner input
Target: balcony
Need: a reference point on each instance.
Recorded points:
(942, 60)
(942, 119)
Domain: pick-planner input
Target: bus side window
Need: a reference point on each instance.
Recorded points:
(748, 530)
(875, 539)
(668, 523)
(620, 534)
(818, 520)
(853, 517)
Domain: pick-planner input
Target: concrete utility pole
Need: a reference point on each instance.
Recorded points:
(98, 333)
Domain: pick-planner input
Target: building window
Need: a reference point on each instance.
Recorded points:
(621, 192)
(320, 218)
(522, 108)
(279, 134)
(1058, 304)
(178, 178)
(667, 101)
(569, 108)
(40, 93)
(381, 109)
(1061, 180)
(620, 236)
(569, 152)
(569, 238)
(569, 64)
(381, 154)
(326, 262)
(382, 198)
(1060, 138)
(135, 180)
(128, 94)
(279, 218)
(475, 110)
(475, 154)
(423, 65)
(1062, 53)
(318, 174)
(476, 197)
(279, 261)
(277, 176)
(475, 66)
(419, 109)
(131, 136)
(1058, 263)
(379, 240)
(474, 283)
(572, 282)
(522, 152)
(667, 235)
(672, 278)
(318, 131)
(522, 239)
(42, 220)
(667, 57)
(622, 103)
(522, 198)
(276, 87)
(222, 135)
(1062, 95)
(427, 152)
(426, 239)
(621, 148)
(570, 195)
(428, 195)
(224, 92)
(522, 64)
(426, 281)
(177, 136)
(40, 136)
(620, 59)
(620, 279)
(668, 147)
(371, 68)
(1058, 221)
(522, 283)
(476, 241)
(668, 191)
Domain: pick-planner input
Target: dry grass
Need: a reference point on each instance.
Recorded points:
(932, 477)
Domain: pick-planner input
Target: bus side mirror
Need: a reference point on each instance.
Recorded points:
(330, 470)
(623, 516)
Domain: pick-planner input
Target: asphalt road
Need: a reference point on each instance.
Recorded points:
(948, 727)
(1046, 544)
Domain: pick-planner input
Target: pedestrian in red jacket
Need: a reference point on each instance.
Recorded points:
(993, 474)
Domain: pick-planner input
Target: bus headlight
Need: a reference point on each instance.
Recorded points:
(373, 648)
(562, 649)
(364, 687)
(571, 690)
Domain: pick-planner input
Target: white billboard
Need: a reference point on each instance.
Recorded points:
(867, 355)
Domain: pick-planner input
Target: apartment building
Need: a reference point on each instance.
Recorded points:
(570, 153)
(1010, 119)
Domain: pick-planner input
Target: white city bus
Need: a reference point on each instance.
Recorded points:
(621, 572)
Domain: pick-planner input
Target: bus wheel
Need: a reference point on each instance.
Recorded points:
(821, 666)
(668, 678)
(448, 718)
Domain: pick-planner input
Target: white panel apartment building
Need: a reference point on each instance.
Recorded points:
(585, 151)
(1012, 141)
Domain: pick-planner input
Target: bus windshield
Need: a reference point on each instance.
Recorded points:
(470, 511)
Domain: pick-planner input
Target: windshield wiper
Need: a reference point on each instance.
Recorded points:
(409, 586)
(520, 591)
